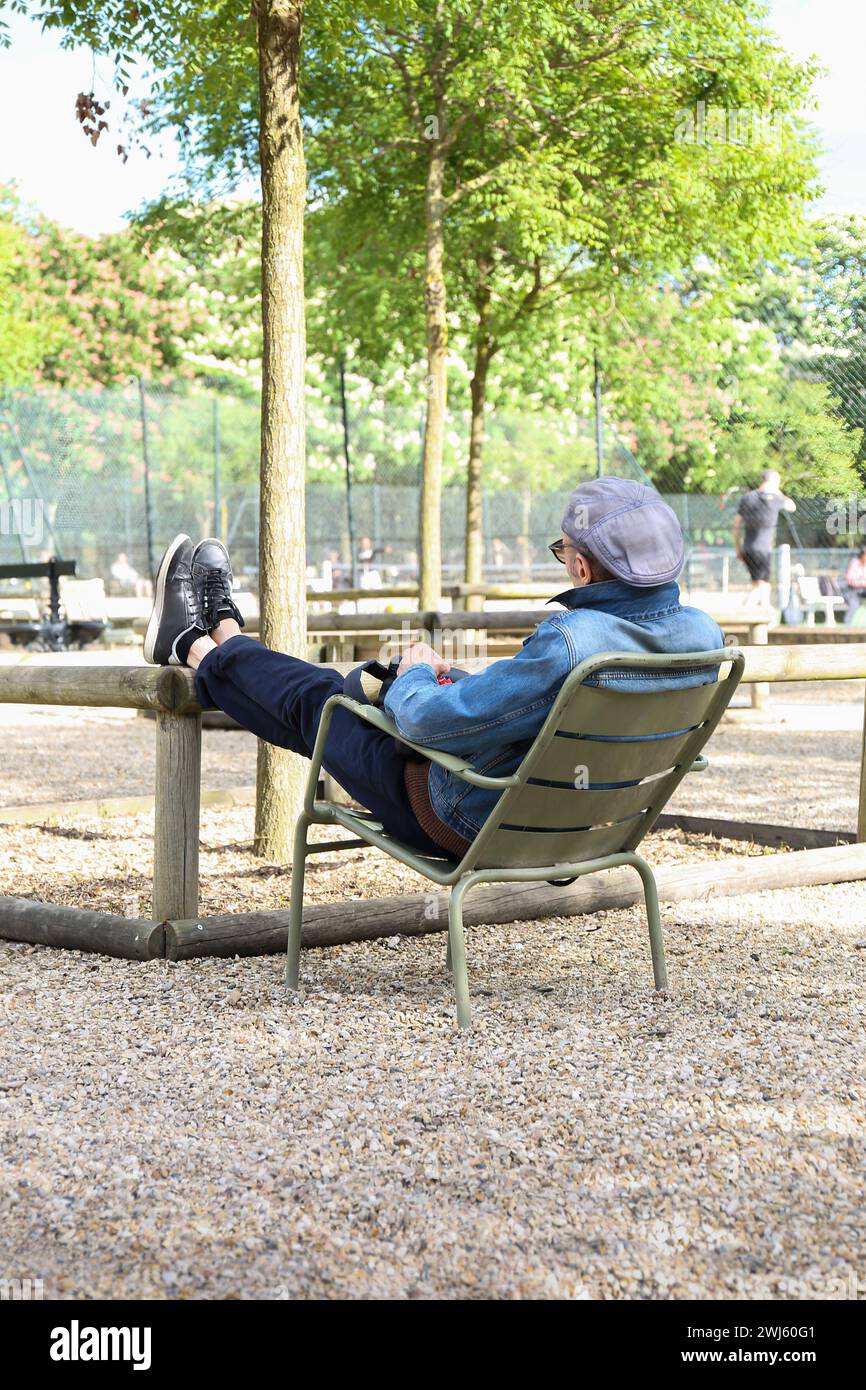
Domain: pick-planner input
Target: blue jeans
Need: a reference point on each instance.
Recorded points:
(279, 698)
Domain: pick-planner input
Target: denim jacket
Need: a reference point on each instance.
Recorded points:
(491, 718)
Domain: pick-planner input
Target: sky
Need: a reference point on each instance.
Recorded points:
(834, 31)
(56, 168)
(44, 149)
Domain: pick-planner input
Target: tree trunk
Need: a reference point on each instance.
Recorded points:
(478, 388)
(282, 558)
(430, 529)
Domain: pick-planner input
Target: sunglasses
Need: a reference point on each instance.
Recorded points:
(557, 550)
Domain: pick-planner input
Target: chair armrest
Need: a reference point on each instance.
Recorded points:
(458, 766)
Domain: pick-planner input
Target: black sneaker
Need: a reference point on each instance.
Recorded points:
(177, 609)
(213, 580)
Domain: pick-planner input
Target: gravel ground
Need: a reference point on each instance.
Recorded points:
(79, 754)
(186, 1131)
(799, 767)
(107, 864)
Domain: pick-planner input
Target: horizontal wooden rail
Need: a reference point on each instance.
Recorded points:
(170, 691)
(521, 620)
(452, 591)
(805, 663)
(432, 620)
(333, 923)
(167, 689)
(528, 589)
(356, 595)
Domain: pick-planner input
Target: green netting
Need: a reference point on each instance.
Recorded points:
(92, 474)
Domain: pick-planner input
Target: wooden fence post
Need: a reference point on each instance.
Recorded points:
(176, 819)
(759, 636)
(861, 803)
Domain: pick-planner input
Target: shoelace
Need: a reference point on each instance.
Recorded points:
(216, 592)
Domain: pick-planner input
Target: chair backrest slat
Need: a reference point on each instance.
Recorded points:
(570, 808)
(597, 710)
(606, 760)
(513, 849)
(595, 760)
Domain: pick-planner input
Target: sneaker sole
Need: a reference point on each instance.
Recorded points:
(159, 599)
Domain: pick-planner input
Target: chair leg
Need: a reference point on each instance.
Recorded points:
(651, 897)
(296, 907)
(448, 954)
(457, 956)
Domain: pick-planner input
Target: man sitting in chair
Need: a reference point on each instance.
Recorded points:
(622, 548)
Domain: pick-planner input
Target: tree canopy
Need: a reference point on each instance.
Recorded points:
(620, 170)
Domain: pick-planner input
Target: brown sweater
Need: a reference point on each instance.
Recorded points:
(415, 779)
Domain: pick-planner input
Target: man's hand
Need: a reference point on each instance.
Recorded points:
(420, 651)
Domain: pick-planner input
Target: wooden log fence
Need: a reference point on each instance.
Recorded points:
(514, 622)
(416, 914)
(171, 692)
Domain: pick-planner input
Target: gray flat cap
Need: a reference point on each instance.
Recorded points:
(628, 528)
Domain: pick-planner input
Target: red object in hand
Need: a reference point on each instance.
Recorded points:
(445, 680)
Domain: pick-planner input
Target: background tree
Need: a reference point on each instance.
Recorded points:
(567, 171)
(25, 338)
(113, 311)
(197, 43)
(216, 246)
(389, 122)
(816, 305)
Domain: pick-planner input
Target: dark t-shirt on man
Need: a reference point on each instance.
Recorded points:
(760, 512)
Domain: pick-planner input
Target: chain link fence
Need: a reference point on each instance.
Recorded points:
(108, 476)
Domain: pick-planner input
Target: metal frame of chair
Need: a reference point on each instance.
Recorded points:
(624, 753)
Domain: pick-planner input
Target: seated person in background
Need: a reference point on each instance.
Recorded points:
(855, 583)
(622, 549)
(499, 553)
(125, 579)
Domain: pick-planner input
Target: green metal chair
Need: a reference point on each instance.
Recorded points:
(600, 771)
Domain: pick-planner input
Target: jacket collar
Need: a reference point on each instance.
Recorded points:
(615, 597)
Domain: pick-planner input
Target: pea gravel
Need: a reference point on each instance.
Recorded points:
(184, 1131)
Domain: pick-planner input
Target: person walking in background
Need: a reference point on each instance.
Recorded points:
(755, 530)
(855, 583)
